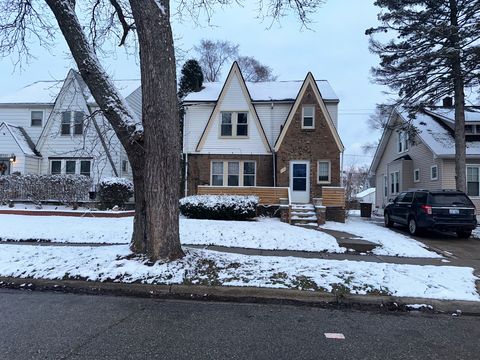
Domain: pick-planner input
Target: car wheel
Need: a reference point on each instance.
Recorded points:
(412, 227)
(464, 234)
(388, 221)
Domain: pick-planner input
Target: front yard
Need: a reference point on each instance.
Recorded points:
(106, 257)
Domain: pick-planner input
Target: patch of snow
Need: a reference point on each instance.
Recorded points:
(419, 306)
(214, 201)
(111, 264)
(391, 243)
(108, 181)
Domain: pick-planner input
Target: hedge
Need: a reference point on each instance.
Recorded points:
(113, 192)
(219, 207)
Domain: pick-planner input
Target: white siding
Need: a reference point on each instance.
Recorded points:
(195, 120)
(21, 116)
(233, 99)
(31, 165)
(273, 116)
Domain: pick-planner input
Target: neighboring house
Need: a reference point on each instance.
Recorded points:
(366, 196)
(428, 160)
(54, 127)
(265, 134)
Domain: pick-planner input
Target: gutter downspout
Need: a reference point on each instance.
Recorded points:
(185, 152)
(341, 169)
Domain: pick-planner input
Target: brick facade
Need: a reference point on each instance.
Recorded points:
(308, 144)
(199, 169)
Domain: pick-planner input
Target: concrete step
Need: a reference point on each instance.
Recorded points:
(303, 213)
(303, 218)
(307, 225)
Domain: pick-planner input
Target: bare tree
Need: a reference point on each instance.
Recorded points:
(152, 144)
(253, 70)
(214, 55)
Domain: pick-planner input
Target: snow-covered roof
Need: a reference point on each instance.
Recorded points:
(263, 91)
(439, 138)
(365, 193)
(21, 138)
(45, 92)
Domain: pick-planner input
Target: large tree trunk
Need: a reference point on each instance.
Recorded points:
(152, 149)
(459, 98)
(162, 128)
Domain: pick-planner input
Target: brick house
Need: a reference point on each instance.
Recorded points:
(246, 135)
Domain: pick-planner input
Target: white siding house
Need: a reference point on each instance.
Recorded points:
(52, 127)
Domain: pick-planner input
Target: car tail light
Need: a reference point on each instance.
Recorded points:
(427, 209)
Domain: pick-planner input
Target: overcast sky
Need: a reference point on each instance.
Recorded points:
(335, 49)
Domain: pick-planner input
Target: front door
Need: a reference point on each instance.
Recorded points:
(300, 181)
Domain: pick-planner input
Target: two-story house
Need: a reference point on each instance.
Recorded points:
(426, 161)
(54, 127)
(264, 134)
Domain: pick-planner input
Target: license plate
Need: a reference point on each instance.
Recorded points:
(454, 211)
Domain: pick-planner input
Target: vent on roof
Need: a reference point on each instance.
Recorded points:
(448, 101)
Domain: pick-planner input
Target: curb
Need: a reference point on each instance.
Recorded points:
(246, 295)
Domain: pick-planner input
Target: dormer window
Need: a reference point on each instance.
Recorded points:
(234, 124)
(402, 141)
(308, 117)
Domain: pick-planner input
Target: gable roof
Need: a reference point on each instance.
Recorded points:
(309, 80)
(234, 72)
(21, 139)
(46, 92)
(263, 91)
(435, 128)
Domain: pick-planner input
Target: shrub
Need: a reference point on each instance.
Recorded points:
(114, 191)
(67, 189)
(219, 207)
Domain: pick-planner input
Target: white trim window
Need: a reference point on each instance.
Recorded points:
(472, 129)
(71, 167)
(234, 124)
(434, 172)
(395, 182)
(36, 118)
(416, 175)
(324, 168)
(233, 173)
(403, 141)
(473, 180)
(72, 120)
(308, 117)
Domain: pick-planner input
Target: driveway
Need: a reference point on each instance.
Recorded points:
(462, 252)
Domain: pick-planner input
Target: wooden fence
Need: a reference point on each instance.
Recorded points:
(333, 196)
(266, 195)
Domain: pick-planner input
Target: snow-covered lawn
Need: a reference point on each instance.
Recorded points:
(391, 243)
(205, 267)
(262, 234)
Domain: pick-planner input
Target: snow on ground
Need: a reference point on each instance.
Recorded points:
(266, 233)
(205, 267)
(392, 243)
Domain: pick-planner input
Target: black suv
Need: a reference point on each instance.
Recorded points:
(445, 210)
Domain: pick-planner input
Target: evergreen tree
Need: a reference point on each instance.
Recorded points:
(191, 79)
(436, 54)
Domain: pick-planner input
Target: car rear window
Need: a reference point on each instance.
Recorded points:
(449, 200)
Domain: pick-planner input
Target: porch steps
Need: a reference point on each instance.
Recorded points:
(303, 215)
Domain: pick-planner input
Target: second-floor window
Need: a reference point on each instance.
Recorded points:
(308, 117)
(36, 118)
(72, 120)
(402, 141)
(234, 124)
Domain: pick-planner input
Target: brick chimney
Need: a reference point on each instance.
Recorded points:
(448, 102)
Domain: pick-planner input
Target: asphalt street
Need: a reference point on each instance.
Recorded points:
(47, 325)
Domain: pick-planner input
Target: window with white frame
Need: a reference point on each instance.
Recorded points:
(395, 182)
(473, 180)
(36, 118)
(71, 167)
(416, 175)
(434, 172)
(233, 173)
(323, 171)
(403, 141)
(233, 124)
(308, 117)
(472, 129)
(72, 120)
